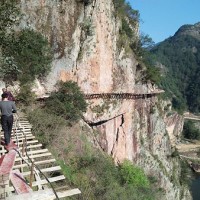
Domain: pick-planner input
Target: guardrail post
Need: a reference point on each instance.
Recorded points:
(23, 147)
(31, 175)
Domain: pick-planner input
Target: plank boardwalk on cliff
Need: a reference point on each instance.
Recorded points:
(122, 95)
(27, 170)
(191, 116)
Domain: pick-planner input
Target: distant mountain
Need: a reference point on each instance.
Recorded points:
(179, 59)
(192, 30)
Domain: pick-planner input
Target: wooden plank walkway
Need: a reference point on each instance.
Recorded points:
(191, 116)
(133, 96)
(120, 95)
(25, 174)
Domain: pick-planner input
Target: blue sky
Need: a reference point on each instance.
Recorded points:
(162, 18)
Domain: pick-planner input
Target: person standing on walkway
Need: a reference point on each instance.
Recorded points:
(10, 96)
(7, 109)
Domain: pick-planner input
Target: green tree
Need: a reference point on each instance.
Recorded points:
(146, 41)
(153, 74)
(31, 54)
(10, 15)
(67, 102)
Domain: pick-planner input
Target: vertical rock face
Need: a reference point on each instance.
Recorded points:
(174, 124)
(84, 39)
(136, 130)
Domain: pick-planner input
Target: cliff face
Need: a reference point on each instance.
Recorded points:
(84, 39)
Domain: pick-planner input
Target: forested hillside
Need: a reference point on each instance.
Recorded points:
(179, 60)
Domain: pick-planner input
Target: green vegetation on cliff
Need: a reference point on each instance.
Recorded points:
(130, 40)
(68, 102)
(87, 167)
(24, 54)
(191, 131)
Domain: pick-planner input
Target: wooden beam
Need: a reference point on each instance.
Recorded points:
(42, 182)
(29, 142)
(32, 146)
(37, 151)
(34, 156)
(51, 180)
(37, 163)
(30, 151)
(50, 169)
(23, 138)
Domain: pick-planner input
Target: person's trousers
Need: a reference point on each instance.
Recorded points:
(7, 124)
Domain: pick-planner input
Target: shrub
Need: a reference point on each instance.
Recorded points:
(133, 175)
(87, 27)
(126, 28)
(45, 126)
(67, 102)
(98, 178)
(25, 95)
(190, 131)
(153, 74)
(8, 69)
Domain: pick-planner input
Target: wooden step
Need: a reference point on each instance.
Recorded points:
(50, 169)
(37, 163)
(43, 182)
(33, 156)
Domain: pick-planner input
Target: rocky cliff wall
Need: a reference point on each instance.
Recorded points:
(138, 130)
(84, 39)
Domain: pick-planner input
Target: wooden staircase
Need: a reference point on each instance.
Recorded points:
(28, 171)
